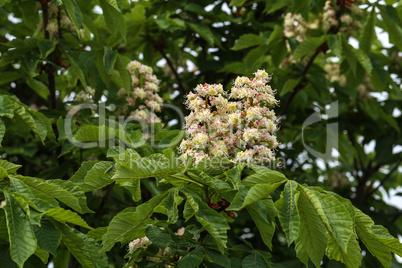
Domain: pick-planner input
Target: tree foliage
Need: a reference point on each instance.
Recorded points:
(83, 206)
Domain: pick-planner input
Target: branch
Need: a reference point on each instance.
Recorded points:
(49, 67)
(384, 179)
(303, 75)
(169, 62)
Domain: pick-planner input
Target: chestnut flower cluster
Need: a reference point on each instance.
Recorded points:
(143, 97)
(236, 124)
(296, 26)
(143, 243)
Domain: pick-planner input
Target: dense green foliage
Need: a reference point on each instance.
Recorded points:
(80, 207)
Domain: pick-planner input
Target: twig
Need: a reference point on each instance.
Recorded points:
(303, 75)
(169, 62)
(104, 200)
(384, 179)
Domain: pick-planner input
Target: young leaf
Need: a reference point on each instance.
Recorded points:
(127, 226)
(169, 206)
(20, 233)
(288, 213)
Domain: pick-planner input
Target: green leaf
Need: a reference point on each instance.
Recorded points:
(191, 260)
(113, 3)
(65, 191)
(368, 32)
(158, 237)
(254, 260)
(2, 131)
(47, 235)
(63, 216)
(392, 25)
(351, 257)
(46, 47)
(80, 174)
(114, 18)
(364, 60)
(127, 226)
(217, 257)
(98, 176)
(377, 239)
(210, 219)
(6, 107)
(288, 212)
(74, 13)
(169, 206)
(145, 167)
(237, 2)
(248, 195)
(263, 175)
(234, 175)
(275, 36)
(204, 31)
(265, 225)
(335, 44)
(7, 77)
(289, 85)
(42, 254)
(3, 2)
(32, 120)
(109, 59)
(28, 64)
(247, 40)
(9, 167)
(21, 235)
(308, 46)
(38, 87)
(84, 249)
(312, 240)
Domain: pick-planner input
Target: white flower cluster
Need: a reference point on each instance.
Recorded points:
(334, 73)
(85, 96)
(236, 124)
(348, 24)
(143, 96)
(143, 243)
(296, 26)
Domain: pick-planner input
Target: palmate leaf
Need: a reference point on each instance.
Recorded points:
(84, 249)
(288, 213)
(65, 191)
(214, 222)
(248, 195)
(127, 226)
(377, 239)
(20, 233)
(331, 215)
